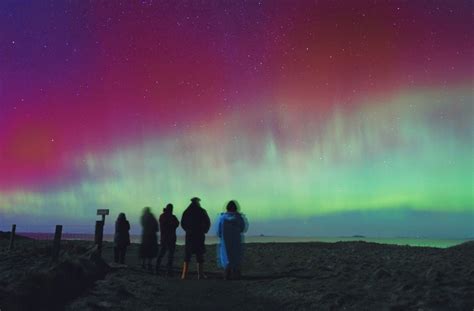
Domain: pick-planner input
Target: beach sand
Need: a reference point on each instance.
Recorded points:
(276, 276)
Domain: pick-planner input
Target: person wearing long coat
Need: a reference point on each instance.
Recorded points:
(121, 238)
(196, 224)
(230, 228)
(149, 245)
(168, 224)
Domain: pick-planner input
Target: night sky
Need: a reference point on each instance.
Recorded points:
(308, 113)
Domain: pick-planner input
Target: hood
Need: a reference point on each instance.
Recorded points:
(230, 216)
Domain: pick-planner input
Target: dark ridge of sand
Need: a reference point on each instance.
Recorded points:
(277, 276)
(30, 280)
(467, 246)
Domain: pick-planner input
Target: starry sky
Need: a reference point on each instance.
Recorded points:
(357, 114)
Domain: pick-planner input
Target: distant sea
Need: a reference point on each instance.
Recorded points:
(210, 239)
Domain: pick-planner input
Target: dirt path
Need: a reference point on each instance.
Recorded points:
(132, 288)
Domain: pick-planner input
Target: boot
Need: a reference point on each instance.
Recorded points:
(200, 270)
(169, 271)
(227, 273)
(116, 255)
(157, 267)
(185, 270)
(236, 274)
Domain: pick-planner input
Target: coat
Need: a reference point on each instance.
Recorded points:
(168, 225)
(122, 235)
(196, 224)
(149, 246)
(230, 229)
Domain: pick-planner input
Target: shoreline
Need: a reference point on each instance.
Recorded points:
(212, 239)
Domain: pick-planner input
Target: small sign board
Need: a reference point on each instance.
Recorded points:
(102, 212)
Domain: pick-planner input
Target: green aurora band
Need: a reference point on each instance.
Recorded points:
(411, 151)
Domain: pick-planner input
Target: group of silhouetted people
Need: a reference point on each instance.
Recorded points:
(196, 223)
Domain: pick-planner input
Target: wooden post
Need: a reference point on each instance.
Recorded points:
(12, 237)
(99, 229)
(99, 233)
(57, 240)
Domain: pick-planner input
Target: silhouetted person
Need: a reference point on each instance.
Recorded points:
(168, 225)
(230, 228)
(149, 246)
(196, 224)
(121, 238)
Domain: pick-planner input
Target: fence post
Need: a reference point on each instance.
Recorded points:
(57, 240)
(12, 237)
(99, 233)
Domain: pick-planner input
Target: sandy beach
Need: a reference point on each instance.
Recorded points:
(276, 276)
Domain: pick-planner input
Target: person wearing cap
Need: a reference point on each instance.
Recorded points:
(168, 224)
(196, 223)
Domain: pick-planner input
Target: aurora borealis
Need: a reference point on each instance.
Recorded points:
(300, 110)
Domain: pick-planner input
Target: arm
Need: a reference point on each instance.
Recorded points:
(245, 222)
(241, 224)
(184, 223)
(207, 222)
(219, 227)
(175, 222)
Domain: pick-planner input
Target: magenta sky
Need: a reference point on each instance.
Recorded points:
(84, 83)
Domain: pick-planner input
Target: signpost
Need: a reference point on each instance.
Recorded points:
(57, 240)
(12, 237)
(103, 213)
(99, 229)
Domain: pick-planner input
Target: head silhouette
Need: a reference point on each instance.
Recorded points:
(121, 217)
(147, 210)
(169, 208)
(195, 202)
(232, 206)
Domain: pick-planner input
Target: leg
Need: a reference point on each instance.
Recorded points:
(122, 252)
(116, 254)
(171, 250)
(200, 267)
(236, 273)
(227, 273)
(149, 265)
(159, 258)
(187, 259)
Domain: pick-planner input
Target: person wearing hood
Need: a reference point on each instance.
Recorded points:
(121, 238)
(230, 229)
(196, 224)
(149, 246)
(168, 224)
